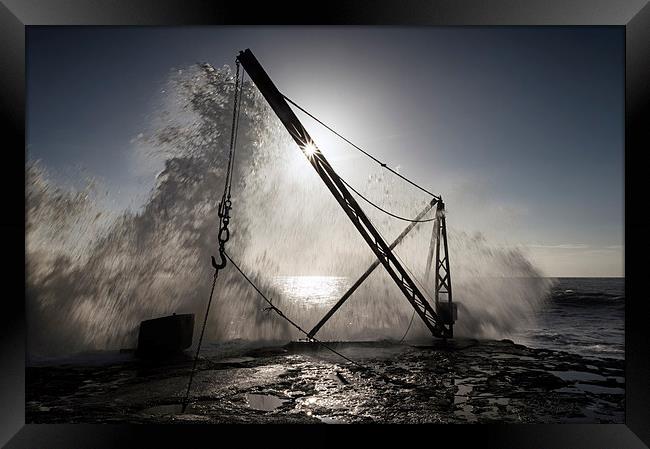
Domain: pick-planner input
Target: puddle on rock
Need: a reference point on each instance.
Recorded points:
(577, 375)
(463, 392)
(597, 389)
(234, 360)
(168, 409)
(264, 402)
(327, 420)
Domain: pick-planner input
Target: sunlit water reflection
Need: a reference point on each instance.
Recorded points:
(312, 291)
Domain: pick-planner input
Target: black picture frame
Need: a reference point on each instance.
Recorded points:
(633, 15)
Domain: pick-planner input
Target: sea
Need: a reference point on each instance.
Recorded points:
(584, 316)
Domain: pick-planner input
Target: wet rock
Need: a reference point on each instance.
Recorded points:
(461, 381)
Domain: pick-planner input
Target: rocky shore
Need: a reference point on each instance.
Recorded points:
(455, 382)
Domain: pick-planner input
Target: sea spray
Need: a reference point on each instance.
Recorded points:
(91, 292)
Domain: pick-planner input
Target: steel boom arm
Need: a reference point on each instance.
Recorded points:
(342, 195)
(370, 269)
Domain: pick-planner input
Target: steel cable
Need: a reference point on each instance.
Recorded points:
(382, 164)
(381, 209)
(224, 218)
(321, 343)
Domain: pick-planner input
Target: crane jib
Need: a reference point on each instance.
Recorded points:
(437, 326)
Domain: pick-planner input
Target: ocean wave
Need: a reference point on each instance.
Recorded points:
(568, 295)
(155, 260)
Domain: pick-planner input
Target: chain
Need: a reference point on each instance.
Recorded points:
(226, 204)
(224, 220)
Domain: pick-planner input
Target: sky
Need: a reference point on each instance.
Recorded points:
(520, 129)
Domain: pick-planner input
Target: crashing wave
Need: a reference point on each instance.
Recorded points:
(91, 281)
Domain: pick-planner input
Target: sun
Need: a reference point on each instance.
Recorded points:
(309, 149)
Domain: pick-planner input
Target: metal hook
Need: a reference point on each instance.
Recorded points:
(220, 265)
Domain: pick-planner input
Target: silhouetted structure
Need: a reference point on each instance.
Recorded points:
(438, 325)
(162, 337)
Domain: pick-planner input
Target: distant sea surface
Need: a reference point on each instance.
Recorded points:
(585, 316)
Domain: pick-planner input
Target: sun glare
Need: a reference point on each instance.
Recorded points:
(309, 149)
